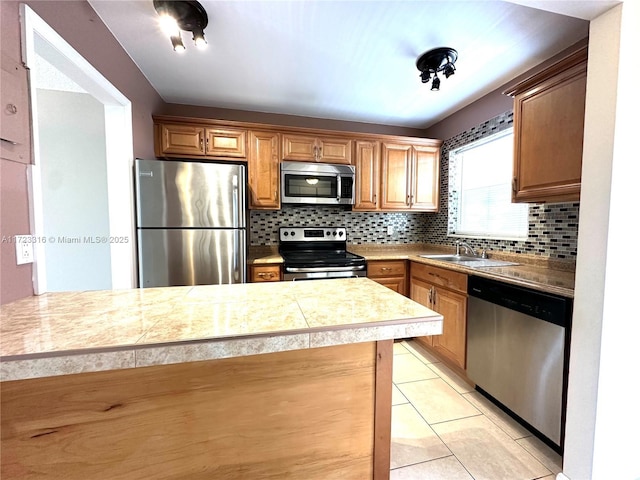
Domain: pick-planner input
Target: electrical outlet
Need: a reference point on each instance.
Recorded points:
(24, 249)
(390, 230)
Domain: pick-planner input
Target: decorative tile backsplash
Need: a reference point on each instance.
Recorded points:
(553, 228)
(362, 228)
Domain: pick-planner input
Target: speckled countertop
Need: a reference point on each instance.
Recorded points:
(538, 273)
(65, 333)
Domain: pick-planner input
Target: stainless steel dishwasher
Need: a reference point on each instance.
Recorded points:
(517, 352)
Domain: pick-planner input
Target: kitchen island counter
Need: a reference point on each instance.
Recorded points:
(64, 333)
(271, 380)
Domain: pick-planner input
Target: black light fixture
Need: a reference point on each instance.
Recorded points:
(437, 60)
(182, 15)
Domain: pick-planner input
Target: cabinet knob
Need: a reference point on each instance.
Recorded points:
(385, 269)
(11, 108)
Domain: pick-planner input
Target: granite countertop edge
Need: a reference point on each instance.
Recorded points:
(413, 320)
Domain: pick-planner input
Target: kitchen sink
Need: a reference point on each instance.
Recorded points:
(477, 262)
(452, 258)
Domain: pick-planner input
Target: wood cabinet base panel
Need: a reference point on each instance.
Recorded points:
(300, 414)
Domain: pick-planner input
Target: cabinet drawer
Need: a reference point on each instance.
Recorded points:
(385, 268)
(440, 276)
(265, 273)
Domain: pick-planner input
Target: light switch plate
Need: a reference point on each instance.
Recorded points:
(24, 249)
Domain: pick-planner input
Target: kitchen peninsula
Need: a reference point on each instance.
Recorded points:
(271, 380)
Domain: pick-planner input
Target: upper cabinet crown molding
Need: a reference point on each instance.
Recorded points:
(549, 130)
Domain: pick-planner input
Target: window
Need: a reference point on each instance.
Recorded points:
(480, 176)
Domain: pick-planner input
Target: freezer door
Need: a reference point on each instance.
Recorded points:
(176, 194)
(191, 257)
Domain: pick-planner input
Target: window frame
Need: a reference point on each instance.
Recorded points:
(454, 199)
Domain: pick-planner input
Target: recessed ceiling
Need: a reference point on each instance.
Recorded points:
(345, 60)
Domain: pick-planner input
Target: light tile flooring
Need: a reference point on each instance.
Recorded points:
(441, 428)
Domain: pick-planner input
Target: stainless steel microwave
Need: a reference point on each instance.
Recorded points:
(317, 183)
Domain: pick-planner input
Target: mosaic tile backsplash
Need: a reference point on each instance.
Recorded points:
(553, 228)
(362, 228)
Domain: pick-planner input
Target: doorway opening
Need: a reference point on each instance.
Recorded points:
(81, 186)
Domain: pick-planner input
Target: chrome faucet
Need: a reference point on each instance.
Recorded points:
(467, 248)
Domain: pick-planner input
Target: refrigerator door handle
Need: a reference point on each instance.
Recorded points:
(236, 200)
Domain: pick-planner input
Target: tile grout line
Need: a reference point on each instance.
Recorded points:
(480, 414)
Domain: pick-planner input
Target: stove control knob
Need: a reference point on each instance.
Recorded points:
(335, 233)
(293, 234)
(286, 234)
(341, 233)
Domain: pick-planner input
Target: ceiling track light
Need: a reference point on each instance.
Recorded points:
(437, 60)
(177, 15)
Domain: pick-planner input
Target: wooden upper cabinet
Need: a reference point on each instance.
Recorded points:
(426, 178)
(226, 143)
(180, 140)
(310, 148)
(184, 140)
(410, 177)
(548, 132)
(264, 170)
(367, 163)
(396, 175)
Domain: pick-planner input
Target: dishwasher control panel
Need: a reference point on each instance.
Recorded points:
(545, 306)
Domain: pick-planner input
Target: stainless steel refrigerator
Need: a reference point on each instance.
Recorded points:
(191, 223)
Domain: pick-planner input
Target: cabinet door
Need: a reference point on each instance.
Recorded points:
(226, 143)
(181, 140)
(264, 173)
(299, 148)
(425, 178)
(335, 150)
(396, 171)
(397, 284)
(422, 292)
(548, 132)
(453, 341)
(367, 164)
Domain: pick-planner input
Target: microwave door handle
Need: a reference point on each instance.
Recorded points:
(339, 187)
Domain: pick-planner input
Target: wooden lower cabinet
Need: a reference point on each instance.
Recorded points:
(307, 414)
(265, 273)
(445, 292)
(390, 273)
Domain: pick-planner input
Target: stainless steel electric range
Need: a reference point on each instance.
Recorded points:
(312, 253)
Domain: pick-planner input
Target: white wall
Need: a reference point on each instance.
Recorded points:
(603, 420)
(74, 180)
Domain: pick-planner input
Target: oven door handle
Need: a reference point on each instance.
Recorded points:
(324, 269)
